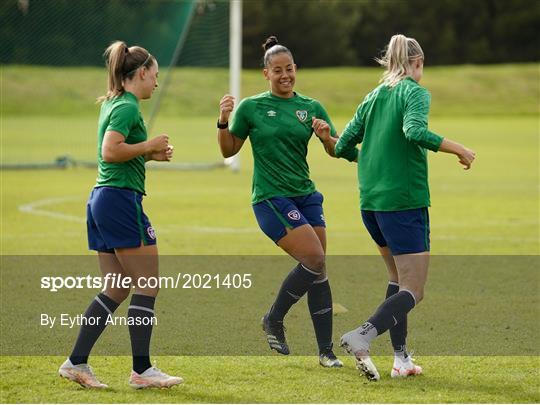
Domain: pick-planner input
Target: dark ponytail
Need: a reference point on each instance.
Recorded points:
(269, 43)
(272, 47)
(122, 63)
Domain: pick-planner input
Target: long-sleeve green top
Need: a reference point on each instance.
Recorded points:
(391, 125)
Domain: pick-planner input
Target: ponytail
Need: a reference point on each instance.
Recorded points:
(272, 47)
(397, 58)
(122, 63)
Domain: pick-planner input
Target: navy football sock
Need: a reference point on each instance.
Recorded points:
(295, 285)
(141, 311)
(398, 333)
(94, 322)
(320, 307)
(392, 311)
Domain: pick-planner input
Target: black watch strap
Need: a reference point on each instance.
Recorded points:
(222, 126)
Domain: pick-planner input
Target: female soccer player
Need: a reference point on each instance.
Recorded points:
(391, 124)
(118, 228)
(285, 202)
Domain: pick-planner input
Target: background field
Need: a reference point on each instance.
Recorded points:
(491, 210)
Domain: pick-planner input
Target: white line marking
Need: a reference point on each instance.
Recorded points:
(36, 208)
(32, 208)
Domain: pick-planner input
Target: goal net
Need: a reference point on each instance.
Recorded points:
(53, 71)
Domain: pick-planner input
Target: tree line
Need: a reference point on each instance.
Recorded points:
(318, 32)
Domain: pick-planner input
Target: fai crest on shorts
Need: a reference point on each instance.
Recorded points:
(151, 233)
(302, 115)
(294, 215)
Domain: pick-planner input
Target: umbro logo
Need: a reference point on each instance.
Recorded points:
(271, 113)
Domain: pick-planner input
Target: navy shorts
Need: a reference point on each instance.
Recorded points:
(277, 214)
(403, 232)
(115, 220)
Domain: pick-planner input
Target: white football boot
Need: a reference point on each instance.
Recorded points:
(153, 377)
(81, 374)
(404, 367)
(353, 343)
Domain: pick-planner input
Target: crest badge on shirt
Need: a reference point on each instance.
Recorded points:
(302, 115)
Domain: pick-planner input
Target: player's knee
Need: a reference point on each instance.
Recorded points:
(118, 295)
(315, 263)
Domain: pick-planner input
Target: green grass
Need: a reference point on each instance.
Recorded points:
(491, 210)
(281, 380)
(498, 89)
(474, 301)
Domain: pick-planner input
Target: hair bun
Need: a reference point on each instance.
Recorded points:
(270, 42)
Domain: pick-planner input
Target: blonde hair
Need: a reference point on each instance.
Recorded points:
(398, 56)
(122, 63)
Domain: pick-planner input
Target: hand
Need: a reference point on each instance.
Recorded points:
(159, 143)
(163, 155)
(226, 105)
(466, 157)
(321, 128)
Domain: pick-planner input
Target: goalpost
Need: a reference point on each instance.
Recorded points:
(235, 64)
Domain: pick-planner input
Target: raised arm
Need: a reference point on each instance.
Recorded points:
(114, 148)
(229, 144)
(465, 155)
(416, 130)
(322, 130)
(337, 146)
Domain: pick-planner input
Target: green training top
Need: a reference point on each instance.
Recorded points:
(279, 130)
(122, 114)
(391, 124)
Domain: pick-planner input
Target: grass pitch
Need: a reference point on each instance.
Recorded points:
(491, 210)
(280, 380)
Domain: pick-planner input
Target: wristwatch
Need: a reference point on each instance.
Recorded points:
(222, 126)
